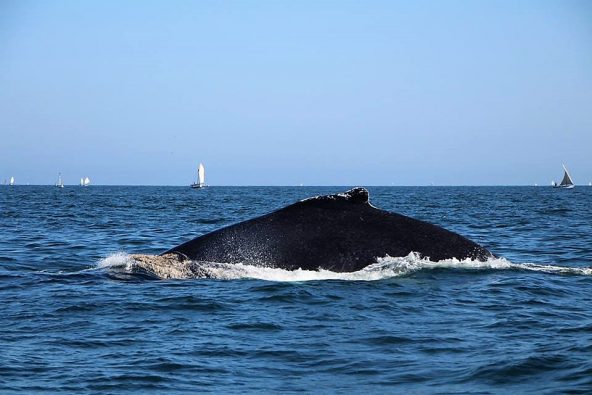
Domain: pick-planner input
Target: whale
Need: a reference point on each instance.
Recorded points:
(341, 232)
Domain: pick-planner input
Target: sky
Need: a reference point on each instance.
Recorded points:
(296, 92)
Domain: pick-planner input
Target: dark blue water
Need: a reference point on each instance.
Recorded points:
(70, 323)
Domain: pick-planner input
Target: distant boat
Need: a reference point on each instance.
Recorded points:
(566, 183)
(59, 183)
(84, 182)
(11, 182)
(201, 177)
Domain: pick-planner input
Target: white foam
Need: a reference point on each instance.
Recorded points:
(384, 268)
(119, 260)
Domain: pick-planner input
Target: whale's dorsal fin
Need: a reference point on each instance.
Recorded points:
(356, 195)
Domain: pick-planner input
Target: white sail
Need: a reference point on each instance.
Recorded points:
(59, 182)
(86, 181)
(11, 181)
(81, 181)
(201, 175)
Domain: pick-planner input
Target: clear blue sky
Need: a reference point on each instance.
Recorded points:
(282, 93)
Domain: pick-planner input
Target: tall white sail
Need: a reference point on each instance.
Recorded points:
(11, 181)
(81, 181)
(86, 181)
(201, 175)
(59, 183)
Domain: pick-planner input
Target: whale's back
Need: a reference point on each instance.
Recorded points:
(340, 232)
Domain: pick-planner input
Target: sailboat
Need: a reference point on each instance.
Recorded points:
(201, 177)
(59, 183)
(11, 182)
(566, 183)
(84, 182)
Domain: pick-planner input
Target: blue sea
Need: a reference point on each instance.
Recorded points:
(75, 318)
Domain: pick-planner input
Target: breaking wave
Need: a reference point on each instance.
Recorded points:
(387, 267)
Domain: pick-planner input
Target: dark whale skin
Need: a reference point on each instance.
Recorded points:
(341, 233)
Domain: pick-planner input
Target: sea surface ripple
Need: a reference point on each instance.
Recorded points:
(76, 319)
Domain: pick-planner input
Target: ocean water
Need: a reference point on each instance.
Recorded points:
(76, 319)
